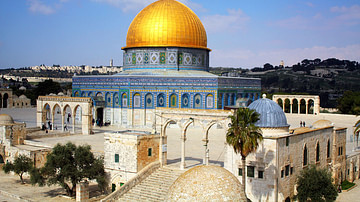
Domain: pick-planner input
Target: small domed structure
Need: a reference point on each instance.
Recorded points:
(322, 123)
(271, 114)
(205, 183)
(22, 97)
(6, 119)
(60, 94)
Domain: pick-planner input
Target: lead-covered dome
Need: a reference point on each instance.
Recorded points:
(271, 114)
(166, 23)
(205, 183)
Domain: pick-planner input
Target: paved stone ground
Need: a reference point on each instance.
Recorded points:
(194, 145)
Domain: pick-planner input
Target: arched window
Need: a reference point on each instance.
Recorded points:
(197, 101)
(328, 149)
(210, 101)
(161, 100)
(116, 100)
(317, 152)
(305, 156)
(108, 99)
(124, 100)
(136, 100)
(90, 94)
(149, 101)
(173, 101)
(83, 94)
(76, 94)
(185, 102)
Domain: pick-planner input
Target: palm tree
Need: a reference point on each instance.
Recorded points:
(357, 131)
(244, 137)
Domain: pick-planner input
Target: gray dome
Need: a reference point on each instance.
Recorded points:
(271, 114)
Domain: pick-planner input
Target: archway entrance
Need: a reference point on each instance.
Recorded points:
(99, 116)
(77, 119)
(56, 122)
(68, 116)
(5, 100)
(1, 159)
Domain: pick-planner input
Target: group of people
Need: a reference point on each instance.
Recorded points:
(302, 123)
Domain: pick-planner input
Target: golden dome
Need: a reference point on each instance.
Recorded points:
(166, 23)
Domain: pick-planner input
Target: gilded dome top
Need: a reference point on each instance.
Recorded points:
(205, 183)
(166, 23)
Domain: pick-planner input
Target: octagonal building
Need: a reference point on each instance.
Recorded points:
(165, 64)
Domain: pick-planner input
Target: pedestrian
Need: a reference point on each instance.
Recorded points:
(68, 119)
(304, 123)
(301, 123)
(65, 127)
(49, 123)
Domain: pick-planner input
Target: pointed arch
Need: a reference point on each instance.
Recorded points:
(317, 153)
(197, 101)
(149, 101)
(185, 100)
(161, 101)
(173, 100)
(305, 156)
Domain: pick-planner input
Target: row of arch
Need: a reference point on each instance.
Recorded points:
(295, 106)
(62, 118)
(149, 100)
(317, 153)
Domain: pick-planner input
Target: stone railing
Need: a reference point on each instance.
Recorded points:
(64, 99)
(138, 178)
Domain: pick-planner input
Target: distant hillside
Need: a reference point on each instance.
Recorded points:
(328, 78)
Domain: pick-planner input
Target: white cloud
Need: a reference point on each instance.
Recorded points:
(127, 5)
(36, 6)
(137, 5)
(233, 22)
(250, 58)
(348, 15)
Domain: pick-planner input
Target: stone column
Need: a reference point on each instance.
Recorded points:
(306, 112)
(73, 120)
(183, 139)
(298, 107)
(52, 120)
(283, 107)
(62, 122)
(291, 106)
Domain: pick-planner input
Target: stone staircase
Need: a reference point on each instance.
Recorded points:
(153, 188)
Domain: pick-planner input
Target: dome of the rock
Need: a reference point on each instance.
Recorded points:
(166, 23)
(205, 183)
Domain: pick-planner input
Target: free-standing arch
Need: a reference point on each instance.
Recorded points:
(46, 104)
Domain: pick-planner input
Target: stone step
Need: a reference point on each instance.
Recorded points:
(154, 188)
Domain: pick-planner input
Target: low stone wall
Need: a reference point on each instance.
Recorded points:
(140, 176)
(43, 134)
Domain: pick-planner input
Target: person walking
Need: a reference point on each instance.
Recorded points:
(301, 123)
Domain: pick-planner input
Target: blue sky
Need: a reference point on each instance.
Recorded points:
(241, 33)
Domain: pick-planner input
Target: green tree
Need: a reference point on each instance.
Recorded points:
(47, 87)
(244, 136)
(315, 185)
(22, 164)
(349, 103)
(69, 164)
